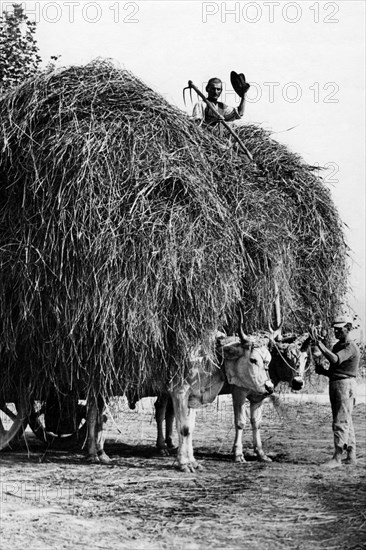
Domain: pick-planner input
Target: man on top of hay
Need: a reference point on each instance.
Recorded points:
(203, 114)
(343, 360)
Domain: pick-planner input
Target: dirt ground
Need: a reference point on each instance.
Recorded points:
(54, 500)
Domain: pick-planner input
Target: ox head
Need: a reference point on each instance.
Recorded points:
(290, 357)
(246, 361)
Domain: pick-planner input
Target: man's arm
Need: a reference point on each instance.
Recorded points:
(241, 87)
(198, 113)
(328, 354)
(241, 106)
(320, 349)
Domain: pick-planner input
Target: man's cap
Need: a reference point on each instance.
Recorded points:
(342, 320)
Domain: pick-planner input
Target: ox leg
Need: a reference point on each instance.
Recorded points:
(185, 418)
(169, 424)
(160, 413)
(256, 410)
(96, 433)
(91, 419)
(239, 395)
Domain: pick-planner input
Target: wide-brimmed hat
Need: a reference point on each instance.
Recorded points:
(239, 84)
(342, 320)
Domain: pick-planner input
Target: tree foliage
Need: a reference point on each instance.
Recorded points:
(19, 57)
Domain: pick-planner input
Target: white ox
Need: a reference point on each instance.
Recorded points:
(244, 364)
(290, 358)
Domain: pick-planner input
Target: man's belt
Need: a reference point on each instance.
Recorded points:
(335, 377)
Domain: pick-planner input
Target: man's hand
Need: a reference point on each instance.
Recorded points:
(245, 88)
(328, 354)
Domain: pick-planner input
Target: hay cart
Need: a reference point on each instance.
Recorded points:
(57, 419)
(13, 418)
(127, 231)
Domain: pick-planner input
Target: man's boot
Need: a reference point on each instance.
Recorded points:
(336, 460)
(351, 456)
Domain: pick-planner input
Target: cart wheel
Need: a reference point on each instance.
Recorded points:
(13, 421)
(60, 423)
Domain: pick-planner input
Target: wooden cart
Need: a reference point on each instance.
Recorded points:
(57, 419)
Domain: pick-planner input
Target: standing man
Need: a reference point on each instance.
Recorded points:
(203, 114)
(343, 360)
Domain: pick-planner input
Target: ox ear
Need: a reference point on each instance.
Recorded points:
(232, 351)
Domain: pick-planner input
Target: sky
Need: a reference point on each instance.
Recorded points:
(305, 61)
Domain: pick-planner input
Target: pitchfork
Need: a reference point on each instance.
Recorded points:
(220, 118)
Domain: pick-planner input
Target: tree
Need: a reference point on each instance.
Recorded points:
(19, 57)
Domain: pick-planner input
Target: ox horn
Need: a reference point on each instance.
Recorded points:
(243, 337)
(276, 333)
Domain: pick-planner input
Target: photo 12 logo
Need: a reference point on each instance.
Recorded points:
(328, 172)
(273, 92)
(74, 12)
(270, 12)
(293, 92)
(35, 492)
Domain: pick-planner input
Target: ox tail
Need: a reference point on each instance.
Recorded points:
(109, 413)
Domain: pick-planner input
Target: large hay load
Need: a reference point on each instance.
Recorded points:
(292, 234)
(127, 234)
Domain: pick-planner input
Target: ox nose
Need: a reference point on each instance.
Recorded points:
(269, 387)
(297, 383)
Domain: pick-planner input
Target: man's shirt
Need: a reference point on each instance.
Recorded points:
(202, 112)
(348, 360)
